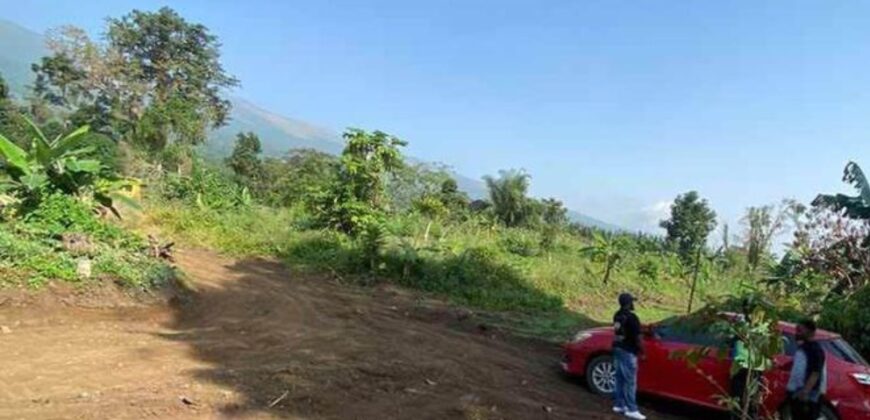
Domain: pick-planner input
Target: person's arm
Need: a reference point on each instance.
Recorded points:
(809, 385)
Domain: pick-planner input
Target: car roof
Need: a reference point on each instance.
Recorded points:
(791, 328)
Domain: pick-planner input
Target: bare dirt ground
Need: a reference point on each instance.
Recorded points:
(258, 341)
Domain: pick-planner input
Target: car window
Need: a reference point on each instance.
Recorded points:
(677, 330)
(840, 349)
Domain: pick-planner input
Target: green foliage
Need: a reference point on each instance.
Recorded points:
(59, 214)
(508, 195)
(855, 207)
(149, 92)
(298, 176)
(554, 212)
(849, 316)
(606, 249)
(690, 223)
(245, 160)
(355, 201)
(206, 187)
(4, 89)
(60, 165)
(33, 250)
(520, 243)
(758, 332)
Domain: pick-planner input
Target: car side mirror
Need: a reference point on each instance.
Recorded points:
(649, 331)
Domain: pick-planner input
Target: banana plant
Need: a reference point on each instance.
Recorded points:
(607, 249)
(58, 165)
(853, 207)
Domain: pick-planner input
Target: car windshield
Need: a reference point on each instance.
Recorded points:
(843, 351)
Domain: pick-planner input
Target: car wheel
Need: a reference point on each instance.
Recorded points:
(601, 375)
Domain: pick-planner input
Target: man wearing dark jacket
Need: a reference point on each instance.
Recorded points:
(808, 380)
(627, 346)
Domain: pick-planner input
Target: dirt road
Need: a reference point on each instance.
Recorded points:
(257, 341)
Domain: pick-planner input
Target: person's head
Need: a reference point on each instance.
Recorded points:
(626, 301)
(806, 330)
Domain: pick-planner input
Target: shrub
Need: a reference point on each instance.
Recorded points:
(519, 243)
(850, 317)
(58, 214)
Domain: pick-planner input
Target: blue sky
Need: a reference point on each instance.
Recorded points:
(614, 107)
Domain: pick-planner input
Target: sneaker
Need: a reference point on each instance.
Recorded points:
(635, 415)
(619, 410)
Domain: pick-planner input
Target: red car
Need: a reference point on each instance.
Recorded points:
(588, 355)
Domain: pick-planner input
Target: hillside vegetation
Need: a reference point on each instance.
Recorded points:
(106, 117)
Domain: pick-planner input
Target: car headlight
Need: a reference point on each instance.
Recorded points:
(862, 378)
(580, 336)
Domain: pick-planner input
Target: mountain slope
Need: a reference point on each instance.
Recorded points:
(19, 47)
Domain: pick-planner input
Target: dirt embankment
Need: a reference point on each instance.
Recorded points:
(256, 340)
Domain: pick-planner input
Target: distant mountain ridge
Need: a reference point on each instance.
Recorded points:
(20, 47)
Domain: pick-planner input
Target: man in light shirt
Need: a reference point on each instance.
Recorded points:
(808, 380)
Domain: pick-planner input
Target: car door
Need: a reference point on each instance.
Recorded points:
(699, 383)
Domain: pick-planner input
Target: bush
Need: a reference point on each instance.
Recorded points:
(58, 214)
(851, 318)
(205, 187)
(519, 243)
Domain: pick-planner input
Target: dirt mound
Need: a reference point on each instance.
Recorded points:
(259, 341)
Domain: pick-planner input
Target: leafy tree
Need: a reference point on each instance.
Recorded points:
(608, 250)
(507, 193)
(854, 207)
(245, 159)
(762, 225)
(690, 223)
(299, 175)
(455, 200)
(355, 202)
(554, 212)
(12, 120)
(59, 80)
(411, 182)
(157, 79)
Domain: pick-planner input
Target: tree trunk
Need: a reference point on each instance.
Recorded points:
(426, 234)
(695, 278)
(607, 272)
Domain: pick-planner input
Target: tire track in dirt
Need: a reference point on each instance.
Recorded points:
(259, 341)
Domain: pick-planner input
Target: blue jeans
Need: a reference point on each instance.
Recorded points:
(626, 379)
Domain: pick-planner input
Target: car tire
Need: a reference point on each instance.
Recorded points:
(601, 375)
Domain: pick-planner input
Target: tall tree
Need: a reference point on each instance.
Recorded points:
(554, 212)
(508, 196)
(690, 223)
(245, 159)
(157, 79)
(762, 224)
(298, 176)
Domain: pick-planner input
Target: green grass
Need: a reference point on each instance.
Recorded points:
(503, 271)
(32, 253)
